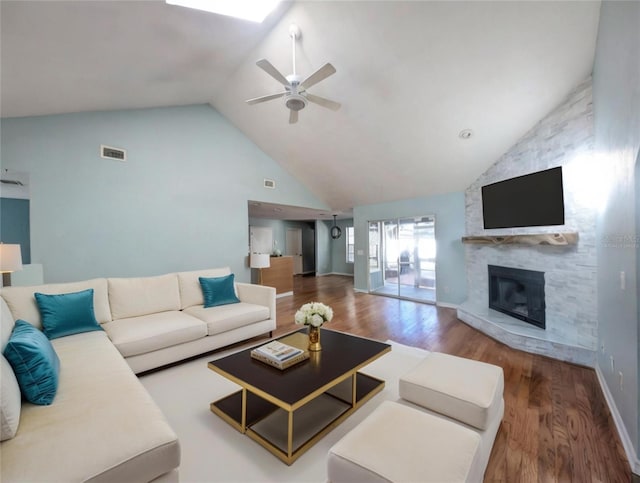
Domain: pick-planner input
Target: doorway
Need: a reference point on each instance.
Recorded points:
(294, 248)
(402, 258)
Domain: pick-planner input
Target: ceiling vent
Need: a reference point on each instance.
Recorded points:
(109, 152)
(269, 183)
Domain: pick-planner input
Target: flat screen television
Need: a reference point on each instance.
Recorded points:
(534, 199)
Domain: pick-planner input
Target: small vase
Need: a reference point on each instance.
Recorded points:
(314, 339)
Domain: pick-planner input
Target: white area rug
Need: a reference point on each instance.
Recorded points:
(214, 451)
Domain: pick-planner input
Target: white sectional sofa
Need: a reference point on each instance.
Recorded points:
(154, 321)
(102, 424)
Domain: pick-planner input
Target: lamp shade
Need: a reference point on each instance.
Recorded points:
(259, 260)
(10, 258)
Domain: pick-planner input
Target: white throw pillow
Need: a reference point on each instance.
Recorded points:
(10, 401)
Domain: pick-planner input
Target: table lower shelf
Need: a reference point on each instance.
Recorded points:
(267, 424)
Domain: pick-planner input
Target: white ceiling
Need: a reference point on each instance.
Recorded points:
(410, 76)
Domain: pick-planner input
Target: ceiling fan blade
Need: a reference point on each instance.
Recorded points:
(266, 66)
(322, 73)
(293, 116)
(257, 100)
(321, 101)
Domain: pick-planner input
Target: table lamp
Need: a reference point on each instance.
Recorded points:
(10, 261)
(259, 261)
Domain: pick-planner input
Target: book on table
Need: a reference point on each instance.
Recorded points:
(279, 355)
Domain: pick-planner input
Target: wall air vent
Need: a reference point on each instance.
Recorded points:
(269, 183)
(12, 182)
(109, 152)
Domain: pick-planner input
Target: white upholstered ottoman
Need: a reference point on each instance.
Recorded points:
(403, 444)
(463, 389)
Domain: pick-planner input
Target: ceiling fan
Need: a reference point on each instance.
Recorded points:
(295, 94)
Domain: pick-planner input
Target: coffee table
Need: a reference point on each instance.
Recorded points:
(288, 411)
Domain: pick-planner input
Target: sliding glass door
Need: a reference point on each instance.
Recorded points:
(402, 256)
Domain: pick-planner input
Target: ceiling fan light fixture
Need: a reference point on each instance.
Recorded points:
(295, 102)
(253, 10)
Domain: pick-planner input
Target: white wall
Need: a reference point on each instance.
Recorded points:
(616, 94)
(178, 203)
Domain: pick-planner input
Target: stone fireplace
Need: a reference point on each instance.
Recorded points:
(565, 316)
(518, 293)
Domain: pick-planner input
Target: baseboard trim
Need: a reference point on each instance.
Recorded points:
(447, 305)
(359, 290)
(334, 273)
(627, 444)
(284, 294)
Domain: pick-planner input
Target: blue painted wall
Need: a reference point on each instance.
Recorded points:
(339, 249)
(178, 203)
(323, 248)
(14, 225)
(449, 212)
(616, 107)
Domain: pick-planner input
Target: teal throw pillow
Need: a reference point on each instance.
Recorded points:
(218, 291)
(67, 314)
(34, 362)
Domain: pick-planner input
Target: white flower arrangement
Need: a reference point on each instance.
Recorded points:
(314, 314)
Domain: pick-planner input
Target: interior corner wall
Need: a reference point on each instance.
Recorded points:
(179, 202)
(616, 97)
(449, 213)
(339, 262)
(323, 249)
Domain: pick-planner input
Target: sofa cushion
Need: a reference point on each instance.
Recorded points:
(399, 443)
(23, 305)
(10, 401)
(34, 362)
(6, 324)
(103, 425)
(218, 291)
(67, 314)
(190, 289)
(227, 317)
(463, 389)
(132, 297)
(139, 335)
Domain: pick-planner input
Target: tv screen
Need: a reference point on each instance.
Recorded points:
(534, 199)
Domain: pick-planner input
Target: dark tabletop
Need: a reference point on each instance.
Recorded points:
(340, 354)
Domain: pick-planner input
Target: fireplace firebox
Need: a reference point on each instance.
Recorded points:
(518, 293)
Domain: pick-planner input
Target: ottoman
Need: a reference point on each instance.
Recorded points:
(463, 389)
(403, 444)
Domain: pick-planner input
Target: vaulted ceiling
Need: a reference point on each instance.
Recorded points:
(410, 76)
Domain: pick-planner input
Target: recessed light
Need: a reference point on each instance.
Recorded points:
(253, 10)
(465, 134)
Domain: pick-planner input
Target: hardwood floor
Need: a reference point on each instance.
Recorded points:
(556, 426)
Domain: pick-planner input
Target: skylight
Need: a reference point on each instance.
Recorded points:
(253, 10)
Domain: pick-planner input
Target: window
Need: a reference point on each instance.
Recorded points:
(350, 245)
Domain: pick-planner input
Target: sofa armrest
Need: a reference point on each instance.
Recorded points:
(259, 295)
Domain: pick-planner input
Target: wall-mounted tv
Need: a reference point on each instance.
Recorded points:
(534, 199)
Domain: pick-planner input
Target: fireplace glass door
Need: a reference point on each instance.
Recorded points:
(402, 257)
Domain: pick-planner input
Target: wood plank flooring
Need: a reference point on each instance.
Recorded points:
(556, 427)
